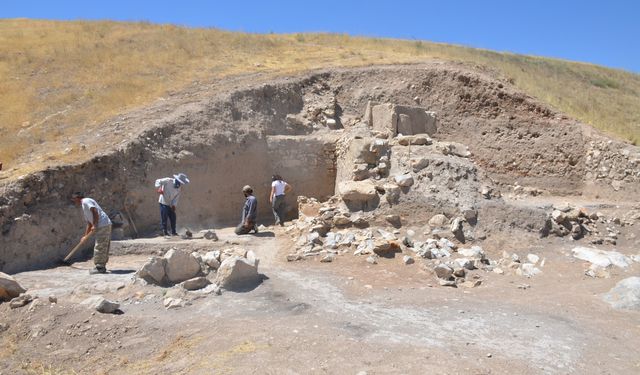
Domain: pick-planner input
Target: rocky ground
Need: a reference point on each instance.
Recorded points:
(347, 316)
(445, 223)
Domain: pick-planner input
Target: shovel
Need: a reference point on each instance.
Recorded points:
(73, 251)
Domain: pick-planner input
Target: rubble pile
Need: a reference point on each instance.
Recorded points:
(182, 271)
(578, 223)
(607, 161)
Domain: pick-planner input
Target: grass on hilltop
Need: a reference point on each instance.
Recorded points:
(58, 79)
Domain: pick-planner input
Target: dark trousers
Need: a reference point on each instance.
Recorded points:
(167, 213)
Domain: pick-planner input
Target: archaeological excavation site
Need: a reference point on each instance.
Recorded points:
(440, 221)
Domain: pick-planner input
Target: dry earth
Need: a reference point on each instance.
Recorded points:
(510, 174)
(309, 317)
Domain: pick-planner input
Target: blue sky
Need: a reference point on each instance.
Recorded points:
(600, 32)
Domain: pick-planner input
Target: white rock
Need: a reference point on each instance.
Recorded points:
(328, 258)
(625, 295)
(181, 265)
(528, 270)
(173, 303)
(212, 259)
(153, 271)
(601, 258)
(372, 259)
(533, 258)
(404, 180)
(9, 287)
(237, 273)
(475, 252)
(465, 263)
(407, 259)
(498, 270)
(438, 221)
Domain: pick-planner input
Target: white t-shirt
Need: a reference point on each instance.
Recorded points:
(103, 218)
(170, 194)
(279, 185)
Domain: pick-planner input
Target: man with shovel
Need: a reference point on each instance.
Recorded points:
(169, 190)
(98, 223)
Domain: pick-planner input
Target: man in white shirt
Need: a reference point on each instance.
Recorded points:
(169, 190)
(98, 223)
(278, 189)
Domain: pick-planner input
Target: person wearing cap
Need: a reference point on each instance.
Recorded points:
(278, 189)
(249, 212)
(98, 223)
(169, 190)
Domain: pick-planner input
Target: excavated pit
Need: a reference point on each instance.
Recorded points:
(296, 127)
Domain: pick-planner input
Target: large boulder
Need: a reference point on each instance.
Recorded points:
(9, 287)
(181, 265)
(625, 295)
(153, 271)
(237, 273)
(357, 191)
(359, 195)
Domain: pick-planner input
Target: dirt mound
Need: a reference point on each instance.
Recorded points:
(292, 126)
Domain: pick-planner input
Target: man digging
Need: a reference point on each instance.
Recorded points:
(169, 190)
(98, 224)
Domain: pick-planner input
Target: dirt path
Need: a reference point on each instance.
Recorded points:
(308, 317)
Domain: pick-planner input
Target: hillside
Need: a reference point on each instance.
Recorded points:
(60, 79)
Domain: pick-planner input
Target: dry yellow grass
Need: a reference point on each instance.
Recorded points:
(58, 79)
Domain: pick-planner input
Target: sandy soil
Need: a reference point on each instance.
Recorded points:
(310, 317)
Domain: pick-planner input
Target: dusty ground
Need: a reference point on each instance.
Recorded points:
(309, 317)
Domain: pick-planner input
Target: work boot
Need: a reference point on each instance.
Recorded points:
(97, 270)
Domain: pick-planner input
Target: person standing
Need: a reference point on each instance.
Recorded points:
(249, 212)
(278, 190)
(98, 224)
(169, 190)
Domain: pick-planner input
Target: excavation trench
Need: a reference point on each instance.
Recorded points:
(300, 129)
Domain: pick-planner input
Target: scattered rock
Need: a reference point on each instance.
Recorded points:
(404, 180)
(532, 258)
(407, 259)
(394, 220)
(601, 258)
(195, 283)
(101, 305)
(372, 259)
(20, 301)
(328, 258)
(237, 273)
(53, 299)
(173, 303)
(625, 295)
(443, 271)
(9, 287)
(528, 270)
(438, 221)
(210, 235)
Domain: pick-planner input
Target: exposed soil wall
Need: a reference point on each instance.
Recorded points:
(224, 140)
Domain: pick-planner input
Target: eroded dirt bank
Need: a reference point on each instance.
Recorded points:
(224, 139)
